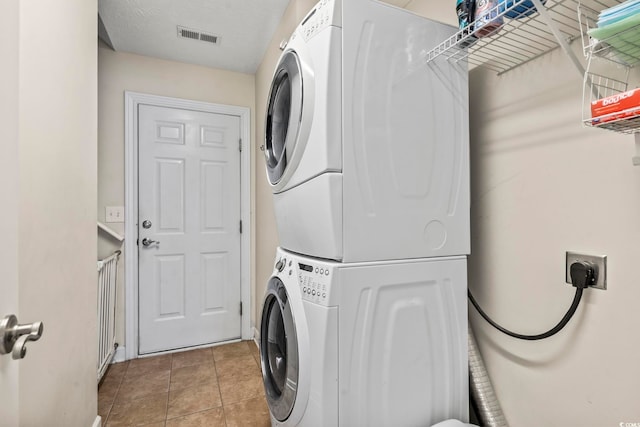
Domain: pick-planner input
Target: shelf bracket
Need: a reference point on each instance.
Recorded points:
(636, 158)
(546, 17)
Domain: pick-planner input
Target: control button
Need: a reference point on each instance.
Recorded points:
(316, 269)
(290, 272)
(280, 264)
(313, 292)
(304, 290)
(290, 262)
(327, 272)
(324, 295)
(322, 271)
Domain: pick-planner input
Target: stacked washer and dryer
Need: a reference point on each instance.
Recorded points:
(364, 322)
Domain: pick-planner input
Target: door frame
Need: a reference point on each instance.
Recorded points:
(132, 101)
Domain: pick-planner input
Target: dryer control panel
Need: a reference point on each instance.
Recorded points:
(321, 16)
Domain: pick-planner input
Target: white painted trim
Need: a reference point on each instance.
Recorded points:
(132, 101)
(195, 347)
(256, 336)
(97, 422)
(120, 355)
(130, 224)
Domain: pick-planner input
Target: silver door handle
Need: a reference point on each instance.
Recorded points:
(14, 337)
(149, 242)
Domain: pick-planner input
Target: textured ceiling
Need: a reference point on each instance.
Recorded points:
(149, 27)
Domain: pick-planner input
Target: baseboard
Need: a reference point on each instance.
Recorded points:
(256, 336)
(120, 355)
(97, 422)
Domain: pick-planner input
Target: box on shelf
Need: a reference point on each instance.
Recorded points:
(625, 104)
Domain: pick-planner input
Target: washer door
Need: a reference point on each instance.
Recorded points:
(284, 115)
(279, 351)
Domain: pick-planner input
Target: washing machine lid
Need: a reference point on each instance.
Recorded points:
(284, 115)
(279, 351)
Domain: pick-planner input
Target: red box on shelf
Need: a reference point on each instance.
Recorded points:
(627, 104)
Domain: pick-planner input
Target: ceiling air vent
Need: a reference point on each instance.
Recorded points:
(188, 33)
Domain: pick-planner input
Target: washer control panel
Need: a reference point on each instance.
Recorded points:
(314, 278)
(314, 282)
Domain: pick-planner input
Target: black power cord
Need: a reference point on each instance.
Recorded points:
(583, 275)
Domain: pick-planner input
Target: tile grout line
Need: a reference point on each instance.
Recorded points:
(215, 368)
(224, 412)
(166, 412)
(115, 396)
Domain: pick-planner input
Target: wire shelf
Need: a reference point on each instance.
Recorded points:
(526, 34)
(620, 48)
(625, 126)
(597, 87)
(521, 38)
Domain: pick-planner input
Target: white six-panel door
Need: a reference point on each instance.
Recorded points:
(189, 192)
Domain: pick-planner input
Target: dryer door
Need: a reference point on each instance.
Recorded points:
(279, 351)
(284, 115)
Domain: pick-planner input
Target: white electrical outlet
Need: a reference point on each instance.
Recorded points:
(598, 261)
(114, 214)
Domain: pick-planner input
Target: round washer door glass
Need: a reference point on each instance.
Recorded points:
(284, 113)
(279, 351)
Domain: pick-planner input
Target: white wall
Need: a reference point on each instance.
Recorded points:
(57, 209)
(543, 184)
(119, 72)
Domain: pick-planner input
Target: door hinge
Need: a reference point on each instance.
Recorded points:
(240, 308)
(240, 145)
(137, 242)
(240, 226)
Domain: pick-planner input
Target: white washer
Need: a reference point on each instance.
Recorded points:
(367, 145)
(365, 344)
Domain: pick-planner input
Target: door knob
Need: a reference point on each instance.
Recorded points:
(149, 242)
(14, 337)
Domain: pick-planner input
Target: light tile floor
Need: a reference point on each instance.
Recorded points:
(218, 386)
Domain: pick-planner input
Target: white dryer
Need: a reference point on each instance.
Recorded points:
(366, 145)
(365, 344)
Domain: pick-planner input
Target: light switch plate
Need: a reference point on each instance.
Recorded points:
(114, 214)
